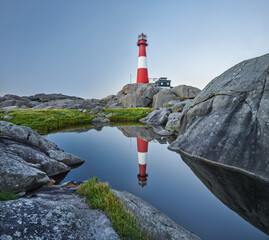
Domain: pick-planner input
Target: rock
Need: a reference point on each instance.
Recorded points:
(228, 121)
(96, 110)
(33, 156)
(6, 117)
(109, 115)
(178, 107)
(157, 117)
(53, 213)
(147, 90)
(173, 122)
(70, 104)
(16, 175)
(171, 104)
(41, 97)
(97, 120)
(27, 160)
(185, 92)
(131, 88)
(29, 135)
(133, 100)
(153, 220)
(16, 103)
(145, 133)
(162, 97)
(159, 129)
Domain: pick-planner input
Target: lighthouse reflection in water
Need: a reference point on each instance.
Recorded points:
(142, 148)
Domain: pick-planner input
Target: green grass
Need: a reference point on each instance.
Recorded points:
(127, 114)
(6, 195)
(46, 120)
(99, 196)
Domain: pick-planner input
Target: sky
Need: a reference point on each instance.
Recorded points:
(88, 48)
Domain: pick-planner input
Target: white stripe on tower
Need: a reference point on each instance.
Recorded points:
(142, 158)
(142, 62)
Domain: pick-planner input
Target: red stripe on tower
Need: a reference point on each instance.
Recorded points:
(142, 70)
(142, 147)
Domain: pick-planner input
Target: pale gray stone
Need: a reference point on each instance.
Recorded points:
(157, 117)
(152, 220)
(162, 97)
(173, 122)
(228, 122)
(185, 92)
(53, 213)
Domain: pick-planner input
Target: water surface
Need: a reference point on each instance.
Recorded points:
(171, 186)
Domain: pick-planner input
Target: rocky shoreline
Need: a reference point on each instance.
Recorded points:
(226, 123)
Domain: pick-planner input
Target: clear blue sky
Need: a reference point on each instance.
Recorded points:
(88, 48)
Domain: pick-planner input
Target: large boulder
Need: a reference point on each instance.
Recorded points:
(162, 97)
(33, 156)
(53, 213)
(157, 117)
(137, 95)
(133, 100)
(152, 220)
(175, 94)
(31, 137)
(27, 160)
(17, 175)
(228, 121)
(185, 92)
(173, 122)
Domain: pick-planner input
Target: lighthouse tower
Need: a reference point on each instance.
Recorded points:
(142, 70)
(142, 147)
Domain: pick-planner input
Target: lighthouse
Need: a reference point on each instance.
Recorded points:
(142, 147)
(142, 70)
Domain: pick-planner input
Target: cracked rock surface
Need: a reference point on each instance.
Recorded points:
(53, 213)
(27, 160)
(228, 121)
(152, 220)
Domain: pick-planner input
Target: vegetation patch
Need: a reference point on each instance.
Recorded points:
(127, 114)
(6, 195)
(99, 196)
(46, 120)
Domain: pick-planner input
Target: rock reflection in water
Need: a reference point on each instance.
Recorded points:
(144, 135)
(247, 195)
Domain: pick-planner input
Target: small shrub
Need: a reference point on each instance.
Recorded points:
(6, 195)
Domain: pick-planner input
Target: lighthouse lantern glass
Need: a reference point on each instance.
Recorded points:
(142, 37)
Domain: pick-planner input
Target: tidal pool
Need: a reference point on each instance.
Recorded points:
(178, 188)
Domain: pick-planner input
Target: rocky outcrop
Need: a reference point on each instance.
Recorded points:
(228, 121)
(153, 220)
(137, 95)
(173, 122)
(48, 101)
(53, 213)
(27, 160)
(178, 93)
(157, 117)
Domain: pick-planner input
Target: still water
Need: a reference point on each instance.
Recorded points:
(111, 154)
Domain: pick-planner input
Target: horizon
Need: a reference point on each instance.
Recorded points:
(88, 49)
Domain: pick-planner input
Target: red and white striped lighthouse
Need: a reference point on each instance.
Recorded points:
(142, 147)
(142, 70)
